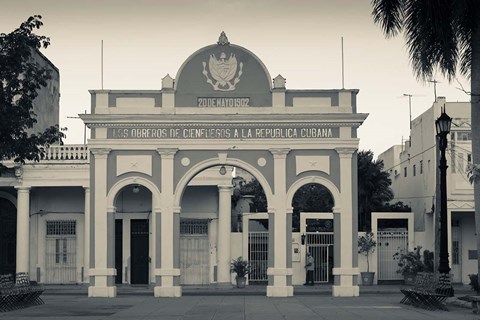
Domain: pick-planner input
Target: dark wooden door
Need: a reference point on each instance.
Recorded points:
(139, 251)
(8, 237)
(118, 249)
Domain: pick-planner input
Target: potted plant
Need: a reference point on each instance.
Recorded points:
(409, 263)
(242, 269)
(366, 246)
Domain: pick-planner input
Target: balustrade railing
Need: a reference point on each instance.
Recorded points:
(66, 152)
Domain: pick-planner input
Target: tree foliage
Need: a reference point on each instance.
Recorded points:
(373, 188)
(20, 79)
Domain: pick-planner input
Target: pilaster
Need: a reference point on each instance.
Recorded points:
(23, 229)
(224, 233)
(86, 253)
(104, 270)
(167, 268)
(345, 282)
(280, 273)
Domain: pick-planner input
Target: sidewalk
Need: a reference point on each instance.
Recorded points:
(249, 290)
(227, 307)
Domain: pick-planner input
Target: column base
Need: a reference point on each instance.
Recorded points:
(103, 292)
(279, 291)
(345, 291)
(167, 292)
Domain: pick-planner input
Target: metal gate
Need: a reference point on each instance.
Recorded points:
(388, 243)
(61, 252)
(456, 251)
(194, 252)
(320, 245)
(258, 255)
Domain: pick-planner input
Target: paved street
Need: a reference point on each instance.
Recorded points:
(369, 306)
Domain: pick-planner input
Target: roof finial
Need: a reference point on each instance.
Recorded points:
(223, 40)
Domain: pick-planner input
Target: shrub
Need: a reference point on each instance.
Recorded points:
(409, 262)
(240, 267)
(474, 282)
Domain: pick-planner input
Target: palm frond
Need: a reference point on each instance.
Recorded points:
(389, 14)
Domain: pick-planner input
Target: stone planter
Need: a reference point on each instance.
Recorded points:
(241, 282)
(367, 278)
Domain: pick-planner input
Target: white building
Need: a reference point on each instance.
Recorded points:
(413, 169)
(144, 202)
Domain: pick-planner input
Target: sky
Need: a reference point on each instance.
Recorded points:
(144, 40)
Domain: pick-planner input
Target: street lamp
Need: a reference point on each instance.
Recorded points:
(443, 124)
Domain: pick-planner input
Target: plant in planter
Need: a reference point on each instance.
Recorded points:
(366, 246)
(409, 263)
(242, 269)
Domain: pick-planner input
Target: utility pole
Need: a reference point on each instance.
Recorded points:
(434, 87)
(410, 116)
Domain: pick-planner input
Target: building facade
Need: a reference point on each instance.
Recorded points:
(148, 199)
(413, 169)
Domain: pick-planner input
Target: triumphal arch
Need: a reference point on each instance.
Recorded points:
(222, 109)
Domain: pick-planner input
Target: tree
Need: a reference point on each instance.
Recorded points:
(441, 35)
(21, 77)
(311, 197)
(373, 188)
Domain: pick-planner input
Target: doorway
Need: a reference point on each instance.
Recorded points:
(8, 237)
(139, 235)
(118, 249)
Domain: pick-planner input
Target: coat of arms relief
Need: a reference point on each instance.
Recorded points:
(223, 71)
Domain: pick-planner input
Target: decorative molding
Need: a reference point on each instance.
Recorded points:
(262, 161)
(222, 39)
(312, 163)
(461, 205)
(185, 161)
(222, 158)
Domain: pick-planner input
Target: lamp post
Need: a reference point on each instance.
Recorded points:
(442, 125)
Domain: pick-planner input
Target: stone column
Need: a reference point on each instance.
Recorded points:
(86, 249)
(280, 233)
(167, 270)
(23, 229)
(102, 275)
(345, 282)
(224, 233)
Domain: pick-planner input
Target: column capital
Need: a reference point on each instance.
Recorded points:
(279, 153)
(157, 210)
(111, 209)
(345, 152)
(336, 210)
(225, 187)
(177, 210)
(23, 189)
(100, 153)
(167, 153)
(87, 189)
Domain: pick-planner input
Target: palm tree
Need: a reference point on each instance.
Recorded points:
(373, 188)
(441, 35)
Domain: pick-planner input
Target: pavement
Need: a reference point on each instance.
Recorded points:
(226, 302)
